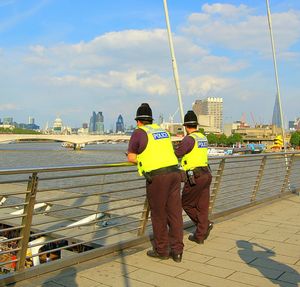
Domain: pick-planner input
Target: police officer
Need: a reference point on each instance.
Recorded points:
(150, 147)
(195, 195)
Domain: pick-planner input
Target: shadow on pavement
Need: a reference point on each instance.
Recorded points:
(69, 275)
(266, 265)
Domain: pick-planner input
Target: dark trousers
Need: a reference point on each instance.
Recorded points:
(195, 202)
(163, 195)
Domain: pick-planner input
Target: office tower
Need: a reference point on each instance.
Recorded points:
(92, 123)
(85, 125)
(297, 124)
(276, 120)
(99, 125)
(30, 120)
(96, 124)
(160, 119)
(8, 121)
(120, 125)
(212, 107)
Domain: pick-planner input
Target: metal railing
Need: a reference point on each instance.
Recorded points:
(65, 215)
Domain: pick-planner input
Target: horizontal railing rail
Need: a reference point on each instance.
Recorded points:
(73, 213)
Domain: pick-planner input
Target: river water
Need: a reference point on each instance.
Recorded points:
(239, 176)
(50, 154)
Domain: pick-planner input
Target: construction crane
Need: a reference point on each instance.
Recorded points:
(171, 117)
(243, 120)
(253, 119)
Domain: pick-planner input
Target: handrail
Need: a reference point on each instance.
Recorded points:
(108, 202)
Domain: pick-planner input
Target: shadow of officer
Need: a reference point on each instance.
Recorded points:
(67, 276)
(247, 248)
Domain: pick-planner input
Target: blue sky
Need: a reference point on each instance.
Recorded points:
(69, 58)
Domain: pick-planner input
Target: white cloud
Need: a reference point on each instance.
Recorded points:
(206, 85)
(117, 59)
(133, 66)
(218, 24)
(226, 10)
(131, 81)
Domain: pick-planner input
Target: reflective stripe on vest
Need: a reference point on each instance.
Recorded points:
(198, 155)
(159, 151)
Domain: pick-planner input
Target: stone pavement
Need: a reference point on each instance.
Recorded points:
(259, 247)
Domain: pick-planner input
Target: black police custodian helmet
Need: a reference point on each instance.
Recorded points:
(190, 119)
(144, 113)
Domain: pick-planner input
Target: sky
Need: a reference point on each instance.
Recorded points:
(68, 58)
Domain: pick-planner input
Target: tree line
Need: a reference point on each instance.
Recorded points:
(17, 131)
(223, 140)
(295, 139)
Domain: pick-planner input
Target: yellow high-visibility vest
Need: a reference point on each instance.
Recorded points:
(198, 155)
(159, 151)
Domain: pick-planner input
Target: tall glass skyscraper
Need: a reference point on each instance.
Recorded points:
(120, 125)
(96, 124)
(276, 120)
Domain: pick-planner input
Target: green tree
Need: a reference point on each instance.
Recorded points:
(212, 139)
(17, 131)
(201, 130)
(235, 138)
(295, 139)
(222, 140)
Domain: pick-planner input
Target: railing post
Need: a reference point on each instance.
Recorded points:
(27, 220)
(144, 218)
(288, 172)
(259, 178)
(216, 186)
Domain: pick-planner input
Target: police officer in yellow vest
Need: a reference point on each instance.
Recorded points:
(150, 147)
(194, 160)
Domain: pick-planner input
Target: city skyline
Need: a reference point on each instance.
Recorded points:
(74, 58)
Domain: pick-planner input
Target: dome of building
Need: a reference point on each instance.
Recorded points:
(57, 123)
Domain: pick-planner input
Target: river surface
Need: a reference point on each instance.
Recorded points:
(240, 174)
(49, 154)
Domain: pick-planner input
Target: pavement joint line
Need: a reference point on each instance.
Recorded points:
(135, 280)
(185, 270)
(234, 271)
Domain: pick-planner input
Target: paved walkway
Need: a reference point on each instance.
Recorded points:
(260, 247)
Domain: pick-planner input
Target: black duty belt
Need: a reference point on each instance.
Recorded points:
(200, 169)
(164, 170)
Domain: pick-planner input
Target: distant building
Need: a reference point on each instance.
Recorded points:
(276, 119)
(173, 128)
(291, 125)
(207, 122)
(213, 108)
(85, 125)
(297, 124)
(160, 119)
(120, 125)
(58, 125)
(28, 126)
(8, 121)
(259, 134)
(96, 124)
(30, 120)
(294, 125)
